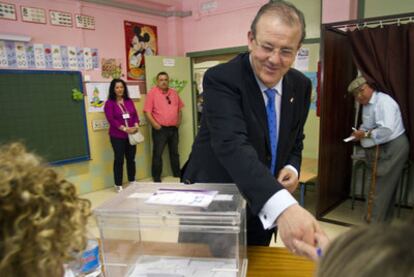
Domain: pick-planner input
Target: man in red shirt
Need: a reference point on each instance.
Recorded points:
(163, 110)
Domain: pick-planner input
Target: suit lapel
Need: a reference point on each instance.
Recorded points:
(286, 113)
(255, 97)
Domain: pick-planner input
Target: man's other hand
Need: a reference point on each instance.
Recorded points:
(288, 178)
(297, 223)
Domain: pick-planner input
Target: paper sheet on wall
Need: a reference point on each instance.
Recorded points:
(3, 54)
(87, 58)
(73, 61)
(97, 95)
(30, 55)
(133, 91)
(39, 55)
(11, 54)
(20, 54)
(56, 57)
(302, 60)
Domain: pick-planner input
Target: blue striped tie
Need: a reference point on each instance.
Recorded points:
(271, 122)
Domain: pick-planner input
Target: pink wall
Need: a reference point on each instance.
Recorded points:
(339, 10)
(222, 27)
(108, 36)
(225, 26)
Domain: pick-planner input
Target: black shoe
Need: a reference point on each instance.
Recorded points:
(157, 180)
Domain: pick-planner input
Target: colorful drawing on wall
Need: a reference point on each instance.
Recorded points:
(97, 94)
(140, 41)
(111, 68)
(27, 55)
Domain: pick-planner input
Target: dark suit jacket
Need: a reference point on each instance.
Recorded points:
(232, 145)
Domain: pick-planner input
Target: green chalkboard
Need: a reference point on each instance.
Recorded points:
(37, 108)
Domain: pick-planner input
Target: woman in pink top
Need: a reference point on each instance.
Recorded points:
(123, 120)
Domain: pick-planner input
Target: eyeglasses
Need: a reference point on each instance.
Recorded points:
(267, 49)
(168, 99)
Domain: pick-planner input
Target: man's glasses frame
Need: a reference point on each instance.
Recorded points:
(269, 50)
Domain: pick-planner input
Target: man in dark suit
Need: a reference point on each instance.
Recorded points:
(234, 145)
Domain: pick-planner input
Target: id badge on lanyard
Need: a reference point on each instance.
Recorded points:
(125, 114)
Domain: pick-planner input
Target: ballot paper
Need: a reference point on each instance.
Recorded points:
(179, 197)
(348, 139)
(159, 266)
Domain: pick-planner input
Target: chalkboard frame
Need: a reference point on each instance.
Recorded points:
(86, 155)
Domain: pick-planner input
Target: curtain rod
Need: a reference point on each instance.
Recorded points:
(398, 21)
(364, 22)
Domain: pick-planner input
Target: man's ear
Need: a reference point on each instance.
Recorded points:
(250, 39)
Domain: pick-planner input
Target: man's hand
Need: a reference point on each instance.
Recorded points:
(297, 223)
(288, 179)
(310, 251)
(358, 134)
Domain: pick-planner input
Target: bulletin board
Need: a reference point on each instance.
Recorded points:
(38, 109)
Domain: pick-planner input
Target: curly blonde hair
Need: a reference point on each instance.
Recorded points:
(42, 220)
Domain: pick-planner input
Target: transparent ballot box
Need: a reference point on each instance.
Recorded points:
(172, 230)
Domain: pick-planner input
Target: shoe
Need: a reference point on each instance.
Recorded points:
(118, 188)
(132, 183)
(157, 180)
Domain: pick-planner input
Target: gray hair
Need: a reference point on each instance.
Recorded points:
(374, 250)
(285, 11)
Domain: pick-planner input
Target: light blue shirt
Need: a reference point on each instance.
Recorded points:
(382, 116)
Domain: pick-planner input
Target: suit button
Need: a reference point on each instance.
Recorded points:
(269, 158)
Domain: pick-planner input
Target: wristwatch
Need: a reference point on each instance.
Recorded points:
(367, 134)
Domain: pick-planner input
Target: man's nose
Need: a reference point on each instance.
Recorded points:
(275, 57)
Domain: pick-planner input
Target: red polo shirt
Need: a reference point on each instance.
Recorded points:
(164, 107)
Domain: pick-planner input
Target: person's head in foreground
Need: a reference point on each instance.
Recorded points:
(371, 251)
(42, 220)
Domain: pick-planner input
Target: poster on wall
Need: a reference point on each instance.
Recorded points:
(111, 68)
(59, 18)
(33, 15)
(27, 55)
(97, 94)
(302, 60)
(7, 11)
(140, 41)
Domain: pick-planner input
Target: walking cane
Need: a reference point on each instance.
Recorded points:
(373, 185)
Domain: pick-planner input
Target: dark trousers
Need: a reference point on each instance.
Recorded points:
(160, 138)
(123, 148)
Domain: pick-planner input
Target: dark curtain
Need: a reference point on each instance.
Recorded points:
(385, 57)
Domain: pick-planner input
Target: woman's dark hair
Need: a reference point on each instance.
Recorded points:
(112, 95)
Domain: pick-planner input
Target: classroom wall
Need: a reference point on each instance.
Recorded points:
(374, 8)
(227, 25)
(108, 37)
(339, 10)
(223, 27)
